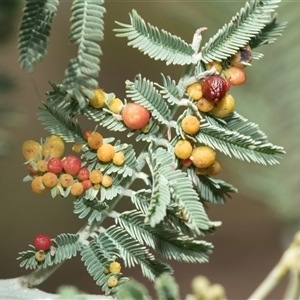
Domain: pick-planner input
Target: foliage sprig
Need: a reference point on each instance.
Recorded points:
(170, 212)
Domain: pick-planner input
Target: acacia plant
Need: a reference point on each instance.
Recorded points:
(182, 124)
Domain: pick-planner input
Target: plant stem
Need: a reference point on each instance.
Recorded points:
(293, 289)
(270, 282)
(288, 262)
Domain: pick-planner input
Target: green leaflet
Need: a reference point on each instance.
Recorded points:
(182, 191)
(240, 138)
(104, 118)
(158, 44)
(86, 30)
(57, 122)
(268, 34)
(97, 256)
(34, 31)
(141, 200)
(242, 28)
(148, 136)
(160, 198)
(169, 90)
(169, 243)
(210, 189)
(67, 246)
(83, 207)
(59, 98)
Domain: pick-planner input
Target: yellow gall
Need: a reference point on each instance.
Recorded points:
(40, 256)
(203, 156)
(115, 267)
(223, 107)
(116, 105)
(106, 181)
(49, 180)
(214, 64)
(205, 105)
(31, 150)
(106, 152)
(76, 189)
(98, 101)
(112, 281)
(95, 176)
(183, 149)
(95, 140)
(190, 124)
(54, 146)
(195, 91)
(211, 170)
(146, 128)
(97, 186)
(119, 159)
(37, 186)
(66, 180)
(77, 147)
(42, 166)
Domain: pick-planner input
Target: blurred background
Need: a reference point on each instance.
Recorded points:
(258, 222)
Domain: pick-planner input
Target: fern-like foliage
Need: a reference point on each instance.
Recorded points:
(239, 138)
(269, 34)
(170, 91)
(97, 256)
(169, 212)
(182, 191)
(160, 198)
(83, 207)
(133, 253)
(105, 119)
(57, 122)
(35, 30)
(244, 26)
(59, 98)
(158, 44)
(28, 260)
(66, 246)
(169, 243)
(148, 136)
(210, 189)
(86, 30)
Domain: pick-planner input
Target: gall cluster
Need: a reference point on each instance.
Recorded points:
(114, 269)
(49, 170)
(42, 244)
(212, 97)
